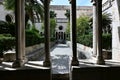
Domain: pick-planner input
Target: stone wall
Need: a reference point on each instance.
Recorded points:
(115, 12)
(116, 31)
(4, 12)
(33, 53)
(84, 52)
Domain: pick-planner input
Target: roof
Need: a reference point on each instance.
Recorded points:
(65, 7)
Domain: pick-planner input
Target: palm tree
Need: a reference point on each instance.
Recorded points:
(32, 7)
(106, 21)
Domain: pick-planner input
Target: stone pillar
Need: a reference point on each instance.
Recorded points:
(94, 28)
(20, 33)
(70, 25)
(100, 59)
(23, 29)
(64, 36)
(75, 61)
(47, 62)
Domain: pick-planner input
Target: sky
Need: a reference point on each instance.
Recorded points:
(66, 2)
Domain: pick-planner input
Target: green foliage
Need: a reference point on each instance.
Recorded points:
(83, 26)
(31, 6)
(52, 14)
(6, 43)
(32, 38)
(106, 21)
(34, 29)
(34, 7)
(87, 40)
(67, 14)
(7, 28)
(52, 39)
(106, 41)
(52, 27)
(9, 4)
(68, 31)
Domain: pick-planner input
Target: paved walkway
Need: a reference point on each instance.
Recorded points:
(61, 56)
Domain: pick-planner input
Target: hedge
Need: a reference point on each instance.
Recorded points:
(32, 38)
(7, 28)
(87, 40)
(6, 43)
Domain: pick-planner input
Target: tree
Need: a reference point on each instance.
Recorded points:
(106, 21)
(52, 14)
(83, 26)
(9, 4)
(31, 6)
(67, 14)
(52, 27)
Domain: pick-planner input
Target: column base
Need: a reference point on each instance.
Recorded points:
(75, 62)
(46, 63)
(100, 60)
(18, 63)
(1, 60)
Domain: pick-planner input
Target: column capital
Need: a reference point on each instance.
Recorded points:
(93, 2)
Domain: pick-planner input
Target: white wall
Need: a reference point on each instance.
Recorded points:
(116, 32)
(4, 12)
(114, 10)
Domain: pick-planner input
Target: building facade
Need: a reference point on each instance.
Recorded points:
(62, 20)
(113, 7)
(4, 12)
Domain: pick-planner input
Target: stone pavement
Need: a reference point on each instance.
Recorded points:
(60, 57)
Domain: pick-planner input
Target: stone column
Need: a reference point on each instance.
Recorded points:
(94, 28)
(75, 61)
(47, 61)
(100, 59)
(20, 33)
(64, 36)
(70, 25)
(23, 29)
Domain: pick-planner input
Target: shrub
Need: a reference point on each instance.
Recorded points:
(6, 43)
(7, 28)
(52, 39)
(87, 40)
(106, 41)
(32, 38)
